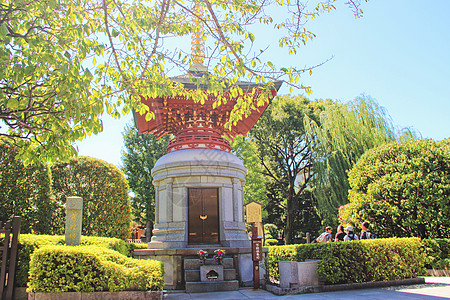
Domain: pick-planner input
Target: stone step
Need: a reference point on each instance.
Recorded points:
(194, 275)
(194, 263)
(213, 286)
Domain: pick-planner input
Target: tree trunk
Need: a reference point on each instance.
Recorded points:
(289, 217)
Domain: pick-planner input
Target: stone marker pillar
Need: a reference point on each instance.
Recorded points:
(74, 216)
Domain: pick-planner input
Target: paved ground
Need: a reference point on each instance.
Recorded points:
(434, 288)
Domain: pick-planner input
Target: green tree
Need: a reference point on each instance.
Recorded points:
(104, 189)
(402, 189)
(63, 61)
(255, 185)
(140, 155)
(25, 191)
(284, 149)
(346, 132)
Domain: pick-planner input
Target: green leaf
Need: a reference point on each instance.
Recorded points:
(3, 30)
(115, 33)
(12, 104)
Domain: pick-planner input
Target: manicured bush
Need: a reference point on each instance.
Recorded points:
(438, 253)
(133, 246)
(28, 243)
(402, 189)
(394, 258)
(277, 253)
(356, 261)
(38, 194)
(104, 189)
(55, 269)
(270, 242)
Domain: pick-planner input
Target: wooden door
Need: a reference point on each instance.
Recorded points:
(203, 220)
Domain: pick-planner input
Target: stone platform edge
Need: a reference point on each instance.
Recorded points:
(341, 287)
(124, 295)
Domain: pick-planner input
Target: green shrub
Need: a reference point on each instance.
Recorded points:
(443, 264)
(356, 261)
(28, 243)
(104, 189)
(133, 246)
(437, 252)
(55, 269)
(394, 258)
(270, 242)
(402, 189)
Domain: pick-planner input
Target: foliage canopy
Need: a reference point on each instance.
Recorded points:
(64, 61)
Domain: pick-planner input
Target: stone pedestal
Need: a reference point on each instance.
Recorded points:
(210, 273)
(294, 274)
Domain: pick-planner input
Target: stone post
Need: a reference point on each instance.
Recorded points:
(74, 216)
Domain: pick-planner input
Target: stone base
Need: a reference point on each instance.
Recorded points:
(211, 273)
(126, 295)
(295, 274)
(173, 260)
(203, 287)
(279, 291)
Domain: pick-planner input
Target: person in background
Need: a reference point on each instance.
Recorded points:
(350, 236)
(326, 236)
(366, 233)
(340, 234)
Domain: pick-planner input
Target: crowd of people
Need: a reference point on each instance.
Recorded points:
(346, 234)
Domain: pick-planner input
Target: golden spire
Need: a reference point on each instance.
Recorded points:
(197, 41)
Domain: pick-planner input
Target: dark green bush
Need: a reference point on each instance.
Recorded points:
(356, 261)
(438, 253)
(38, 193)
(28, 243)
(55, 269)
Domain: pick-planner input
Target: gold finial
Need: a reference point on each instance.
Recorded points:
(197, 41)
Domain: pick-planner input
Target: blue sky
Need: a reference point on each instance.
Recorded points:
(398, 53)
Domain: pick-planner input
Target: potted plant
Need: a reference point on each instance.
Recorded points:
(202, 254)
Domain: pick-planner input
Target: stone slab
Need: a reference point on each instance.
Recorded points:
(202, 287)
(341, 287)
(126, 295)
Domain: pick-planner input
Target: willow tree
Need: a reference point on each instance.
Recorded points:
(64, 61)
(346, 131)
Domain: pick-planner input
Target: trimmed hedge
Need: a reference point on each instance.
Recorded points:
(438, 253)
(28, 243)
(56, 269)
(356, 261)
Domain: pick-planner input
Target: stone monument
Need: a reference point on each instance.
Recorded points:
(74, 216)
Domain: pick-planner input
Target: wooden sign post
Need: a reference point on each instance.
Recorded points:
(254, 215)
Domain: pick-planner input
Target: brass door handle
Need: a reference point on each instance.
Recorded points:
(203, 217)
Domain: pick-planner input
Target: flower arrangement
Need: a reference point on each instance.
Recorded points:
(202, 255)
(218, 256)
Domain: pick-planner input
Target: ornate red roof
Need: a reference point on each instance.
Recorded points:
(195, 125)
